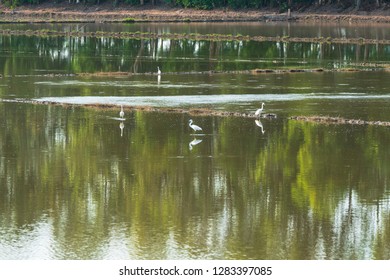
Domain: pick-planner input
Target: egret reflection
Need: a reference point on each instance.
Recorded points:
(259, 124)
(194, 143)
(121, 126)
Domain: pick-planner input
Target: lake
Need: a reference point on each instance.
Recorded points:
(78, 182)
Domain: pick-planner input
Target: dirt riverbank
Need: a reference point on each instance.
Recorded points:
(65, 12)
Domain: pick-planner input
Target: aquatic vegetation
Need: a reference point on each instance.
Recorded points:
(129, 20)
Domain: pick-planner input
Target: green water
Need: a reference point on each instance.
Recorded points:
(77, 183)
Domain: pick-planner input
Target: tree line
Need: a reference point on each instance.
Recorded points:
(282, 5)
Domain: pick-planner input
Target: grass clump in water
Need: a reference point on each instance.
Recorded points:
(128, 20)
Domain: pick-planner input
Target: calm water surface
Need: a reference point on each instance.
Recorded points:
(77, 183)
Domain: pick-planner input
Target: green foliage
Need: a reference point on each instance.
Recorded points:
(15, 3)
(129, 20)
(132, 2)
(282, 5)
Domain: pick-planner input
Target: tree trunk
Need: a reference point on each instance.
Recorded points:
(358, 3)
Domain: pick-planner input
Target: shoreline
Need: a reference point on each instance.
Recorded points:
(65, 12)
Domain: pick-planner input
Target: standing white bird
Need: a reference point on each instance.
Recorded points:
(194, 126)
(259, 111)
(121, 113)
(158, 71)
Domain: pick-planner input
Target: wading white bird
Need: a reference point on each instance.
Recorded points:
(259, 111)
(194, 126)
(158, 71)
(121, 113)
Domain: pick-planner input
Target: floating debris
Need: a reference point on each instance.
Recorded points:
(337, 120)
(269, 116)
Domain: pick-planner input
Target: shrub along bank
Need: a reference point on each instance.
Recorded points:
(281, 5)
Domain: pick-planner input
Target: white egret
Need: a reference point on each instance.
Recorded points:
(259, 111)
(259, 124)
(158, 71)
(121, 113)
(194, 126)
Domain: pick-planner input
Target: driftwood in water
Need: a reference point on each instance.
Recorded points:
(337, 120)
